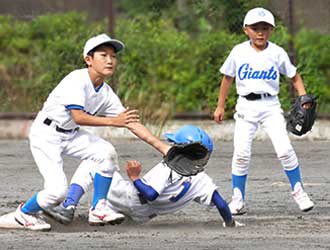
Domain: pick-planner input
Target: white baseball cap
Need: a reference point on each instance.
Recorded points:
(95, 41)
(258, 15)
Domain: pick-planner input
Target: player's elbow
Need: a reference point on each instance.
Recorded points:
(152, 195)
(78, 116)
(145, 190)
(149, 193)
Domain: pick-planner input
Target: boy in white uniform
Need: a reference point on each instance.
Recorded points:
(256, 66)
(161, 190)
(81, 98)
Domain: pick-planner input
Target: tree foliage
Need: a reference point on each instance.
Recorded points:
(164, 68)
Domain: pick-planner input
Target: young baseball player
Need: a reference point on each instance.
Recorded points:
(81, 98)
(256, 66)
(161, 190)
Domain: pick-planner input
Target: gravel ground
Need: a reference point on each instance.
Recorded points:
(273, 220)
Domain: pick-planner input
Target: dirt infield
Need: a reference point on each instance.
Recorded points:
(273, 220)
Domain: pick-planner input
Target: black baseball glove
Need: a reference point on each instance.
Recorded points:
(302, 116)
(187, 159)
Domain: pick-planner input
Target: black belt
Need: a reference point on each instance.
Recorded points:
(48, 121)
(253, 96)
(142, 199)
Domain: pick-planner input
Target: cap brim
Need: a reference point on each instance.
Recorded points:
(118, 45)
(259, 21)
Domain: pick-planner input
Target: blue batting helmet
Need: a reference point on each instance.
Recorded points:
(189, 134)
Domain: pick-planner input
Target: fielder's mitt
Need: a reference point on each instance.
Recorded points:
(301, 119)
(187, 159)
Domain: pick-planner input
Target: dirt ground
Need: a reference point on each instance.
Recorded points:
(273, 220)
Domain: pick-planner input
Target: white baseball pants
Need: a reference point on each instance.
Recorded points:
(267, 114)
(48, 146)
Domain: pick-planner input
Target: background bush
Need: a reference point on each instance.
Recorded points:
(163, 69)
(37, 54)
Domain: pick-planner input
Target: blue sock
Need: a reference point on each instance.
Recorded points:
(294, 176)
(74, 195)
(101, 188)
(31, 206)
(239, 182)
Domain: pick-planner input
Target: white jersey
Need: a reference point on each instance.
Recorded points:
(257, 72)
(174, 191)
(48, 143)
(76, 90)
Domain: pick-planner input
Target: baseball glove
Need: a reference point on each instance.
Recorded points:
(302, 116)
(187, 159)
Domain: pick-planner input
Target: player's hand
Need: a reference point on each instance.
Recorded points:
(127, 116)
(307, 105)
(233, 224)
(133, 169)
(219, 114)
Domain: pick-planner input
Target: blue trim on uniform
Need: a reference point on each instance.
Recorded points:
(147, 191)
(294, 176)
(101, 188)
(98, 88)
(74, 106)
(74, 195)
(186, 186)
(239, 182)
(31, 206)
(222, 207)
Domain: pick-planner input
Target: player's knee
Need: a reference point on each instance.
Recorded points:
(107, 161)
(111, 154)
(104, 152)
(288, 159)
(240, 164)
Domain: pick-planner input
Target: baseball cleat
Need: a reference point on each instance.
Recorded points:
(301, 198)
(61, 214)
(237, 204)
(31, 221)
(102, 214)
(237, 207)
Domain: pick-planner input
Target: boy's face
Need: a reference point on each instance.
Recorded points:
(259, 34)
(103, 62)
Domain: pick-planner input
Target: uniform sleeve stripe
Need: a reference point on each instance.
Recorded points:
(73, 106)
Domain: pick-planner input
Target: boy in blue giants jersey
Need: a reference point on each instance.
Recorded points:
(256, 66)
